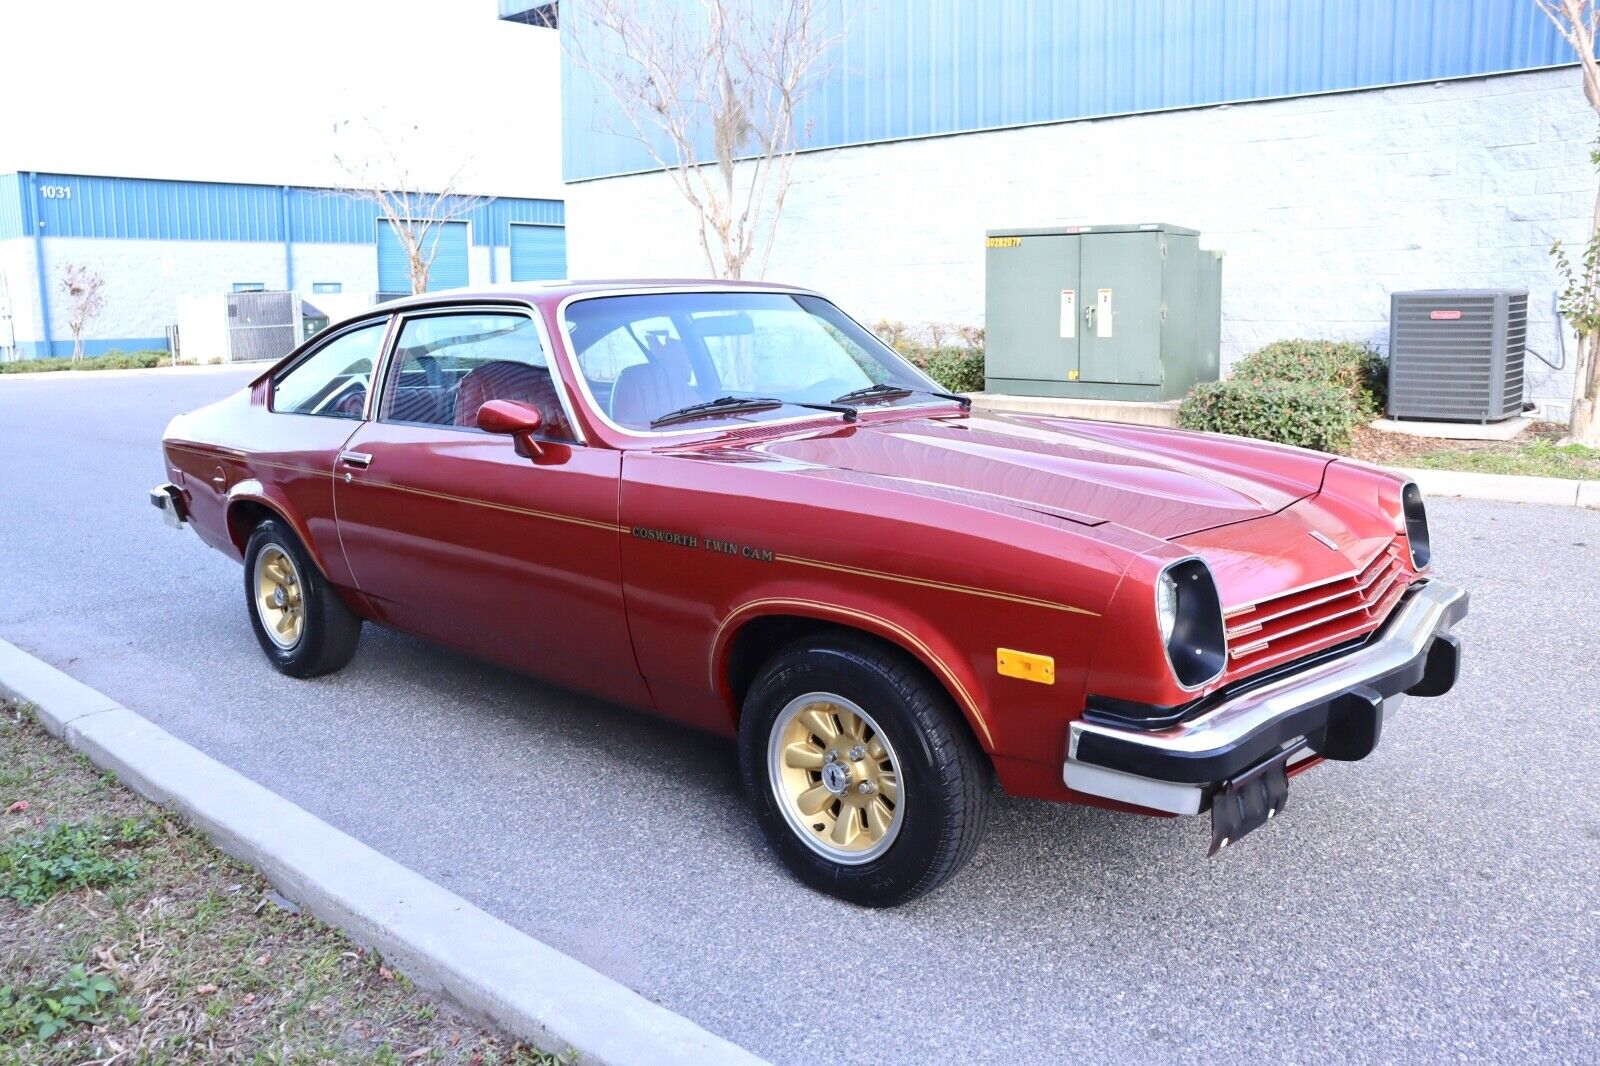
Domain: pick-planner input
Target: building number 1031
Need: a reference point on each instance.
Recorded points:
(56, 192)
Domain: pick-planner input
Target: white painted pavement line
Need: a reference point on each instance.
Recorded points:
(439, 940)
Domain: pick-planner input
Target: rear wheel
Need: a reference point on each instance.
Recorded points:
(864, 777)
(302, 625)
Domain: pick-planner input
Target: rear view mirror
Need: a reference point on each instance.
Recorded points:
(520, 421)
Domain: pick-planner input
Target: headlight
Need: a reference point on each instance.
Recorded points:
(1189, 616)
(1416, 516)
(1166, 606)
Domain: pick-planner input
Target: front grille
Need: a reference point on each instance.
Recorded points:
(1283, 627)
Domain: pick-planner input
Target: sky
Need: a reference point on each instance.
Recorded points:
(230, 91)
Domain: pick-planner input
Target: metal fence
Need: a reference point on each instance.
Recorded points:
(262, 325)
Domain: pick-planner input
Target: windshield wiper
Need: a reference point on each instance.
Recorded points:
(883, 390)
(724, 405)
(721, 405)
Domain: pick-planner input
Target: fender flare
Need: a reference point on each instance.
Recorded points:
(251, 490)
(884, 628)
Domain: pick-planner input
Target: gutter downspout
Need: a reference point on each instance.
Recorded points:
(288, 238)
(35, 224)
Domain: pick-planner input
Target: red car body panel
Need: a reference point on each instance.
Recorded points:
(633, 566)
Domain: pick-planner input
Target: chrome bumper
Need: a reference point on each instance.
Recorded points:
(1177, 769)
(168, 499)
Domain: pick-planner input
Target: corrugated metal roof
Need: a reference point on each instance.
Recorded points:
(910, 68)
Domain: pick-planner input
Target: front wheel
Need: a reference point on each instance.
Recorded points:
(862, 772)
(299, 619)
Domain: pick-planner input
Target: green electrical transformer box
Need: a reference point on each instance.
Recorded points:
(1101, 312)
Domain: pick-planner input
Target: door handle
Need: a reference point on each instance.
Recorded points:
(361, 459)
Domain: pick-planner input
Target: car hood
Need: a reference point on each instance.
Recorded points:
(1163, 483)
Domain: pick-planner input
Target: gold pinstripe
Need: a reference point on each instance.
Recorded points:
(611, 527)
(941, 585)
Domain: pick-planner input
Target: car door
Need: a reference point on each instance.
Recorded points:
(455, 536)
(316, 403)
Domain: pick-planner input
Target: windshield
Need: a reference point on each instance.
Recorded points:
(646, 357)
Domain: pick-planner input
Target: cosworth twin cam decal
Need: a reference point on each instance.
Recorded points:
(711, 544)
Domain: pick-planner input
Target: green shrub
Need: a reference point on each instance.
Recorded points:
(955, 369)
(113, 360)
(1355, 369)
(1308, 415)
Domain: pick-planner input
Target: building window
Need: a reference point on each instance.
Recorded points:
(327, 286)
(249, 286)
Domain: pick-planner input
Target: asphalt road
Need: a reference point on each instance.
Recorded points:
(1440, 899)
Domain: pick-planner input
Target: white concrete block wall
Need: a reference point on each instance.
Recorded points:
(478, 264)
(354, 266)
(143, 278)
(19, 286)
(1323, 206)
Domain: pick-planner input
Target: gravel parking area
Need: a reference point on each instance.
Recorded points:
(1441, 899)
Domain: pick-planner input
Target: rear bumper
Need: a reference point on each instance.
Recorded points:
(168, 499)
(1336, 706)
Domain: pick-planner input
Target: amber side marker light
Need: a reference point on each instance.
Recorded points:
(1025, 665)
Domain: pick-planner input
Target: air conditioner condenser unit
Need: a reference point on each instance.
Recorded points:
(1456, 355)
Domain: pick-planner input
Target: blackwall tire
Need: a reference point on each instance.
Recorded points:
(302, 625)
(864, 777)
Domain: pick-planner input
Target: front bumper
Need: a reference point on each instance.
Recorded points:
(1334, 707)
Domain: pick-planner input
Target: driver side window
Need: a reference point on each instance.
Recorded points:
(333, 381)
(447, 366)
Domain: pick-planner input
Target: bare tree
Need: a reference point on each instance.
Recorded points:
(1577, 21)
(711, 92)
(85, 293)
(378, 174)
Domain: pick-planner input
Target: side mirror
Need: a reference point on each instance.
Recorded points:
(519, 421)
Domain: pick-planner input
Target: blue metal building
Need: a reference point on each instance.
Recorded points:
(156, 240)
(924, 68)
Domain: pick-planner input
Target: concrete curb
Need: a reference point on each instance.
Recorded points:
(439, 940)
(1508, 488)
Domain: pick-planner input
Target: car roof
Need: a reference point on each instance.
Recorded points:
(551, 292)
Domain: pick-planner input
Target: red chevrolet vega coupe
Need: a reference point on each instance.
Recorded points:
(731, 505)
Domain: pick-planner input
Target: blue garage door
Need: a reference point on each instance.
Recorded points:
(449, 267)
(538, 253)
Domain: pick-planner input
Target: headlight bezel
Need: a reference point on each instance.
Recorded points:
(1414, 520)
(1197, 647)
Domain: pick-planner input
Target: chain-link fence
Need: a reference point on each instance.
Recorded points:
(262, 325)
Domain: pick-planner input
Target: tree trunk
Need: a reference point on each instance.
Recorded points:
(1584, 428)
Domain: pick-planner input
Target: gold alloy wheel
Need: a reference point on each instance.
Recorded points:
(279, 603)
(835, 778)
